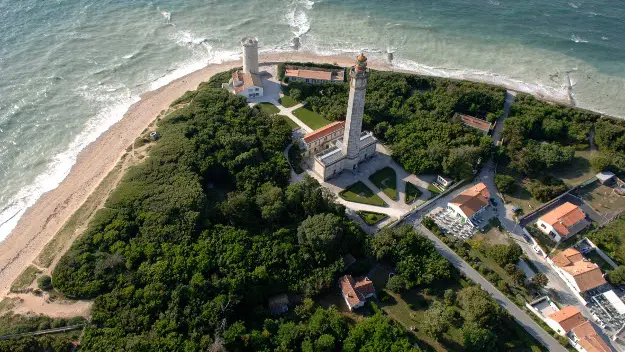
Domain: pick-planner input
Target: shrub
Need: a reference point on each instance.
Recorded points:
(505, 183)
(600, 163)
(44, 282)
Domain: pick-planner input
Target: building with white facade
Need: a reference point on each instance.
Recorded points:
(323, 138)
(563, 222)
(247, 82)
(470, 203)
(354, 146)
(314, 75)
(579, 274)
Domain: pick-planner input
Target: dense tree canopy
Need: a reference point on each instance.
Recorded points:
(416, 259)
(195, 239)
(414, 116)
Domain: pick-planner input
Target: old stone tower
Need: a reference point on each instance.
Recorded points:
(359, 75)
(250, 55)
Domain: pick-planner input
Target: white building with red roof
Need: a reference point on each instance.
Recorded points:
(563, 222)
(314, 75)
(247, 82)
(323, 138)
(471, 202)
(356, 291)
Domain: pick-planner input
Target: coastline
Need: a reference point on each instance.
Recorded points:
(44, 219)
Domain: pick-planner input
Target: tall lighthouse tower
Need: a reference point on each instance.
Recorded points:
(359, 75)
(250, 55)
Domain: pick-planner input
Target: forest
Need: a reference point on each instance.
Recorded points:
(540, 137)
(413, 115)
(194, 241)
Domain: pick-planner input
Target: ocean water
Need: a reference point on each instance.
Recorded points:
(69, 69)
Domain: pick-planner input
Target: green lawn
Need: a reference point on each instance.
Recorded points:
(289, 121)
(310, 118)
(412, 192)
(594, 257)
(435, 191)
(288, 102)
(360, 193)
(371, 218)
(268, 108)
(386, 180)
(578, 170)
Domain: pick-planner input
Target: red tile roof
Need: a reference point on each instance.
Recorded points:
(352, 296)
(564, 217)
(472, 199)
(355, 291)
(587, 275)
(315, 73)
(589, 339)
(365, 286)
(474, 122)
(324, 131)
(567, 257)
(568, 318)
(248, 80)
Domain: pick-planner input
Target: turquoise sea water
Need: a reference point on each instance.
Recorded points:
(70, 69)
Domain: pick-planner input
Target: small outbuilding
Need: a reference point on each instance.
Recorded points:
(444, 181)
(279, 304)
(605, 177)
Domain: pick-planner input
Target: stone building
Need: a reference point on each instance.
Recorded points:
(247, 82)
(355, 146)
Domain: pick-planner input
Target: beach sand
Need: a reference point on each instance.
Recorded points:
(42, 221)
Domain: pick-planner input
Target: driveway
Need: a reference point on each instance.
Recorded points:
(520, 316)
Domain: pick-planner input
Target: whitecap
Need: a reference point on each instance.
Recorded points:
(112, 109)
(578, 39)
(575, 6)
(297, 17)
(189, 39)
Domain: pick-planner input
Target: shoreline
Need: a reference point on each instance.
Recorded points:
(40, 222)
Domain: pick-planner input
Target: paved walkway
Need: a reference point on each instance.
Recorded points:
(520, 316)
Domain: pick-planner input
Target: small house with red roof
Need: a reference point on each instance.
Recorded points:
(473, 122)
(563, 222)
(356, 291)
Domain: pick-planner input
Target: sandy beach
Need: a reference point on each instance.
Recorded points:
(44, 219)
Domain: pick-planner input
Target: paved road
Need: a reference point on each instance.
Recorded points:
(520, 316)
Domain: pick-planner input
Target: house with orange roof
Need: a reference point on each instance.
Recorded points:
(473, 122)
(565, 319)
(563, 221)
(355, 292)
(579, 274)
(470, 203)
(314, 75)
(322, 138)
(588, 339)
